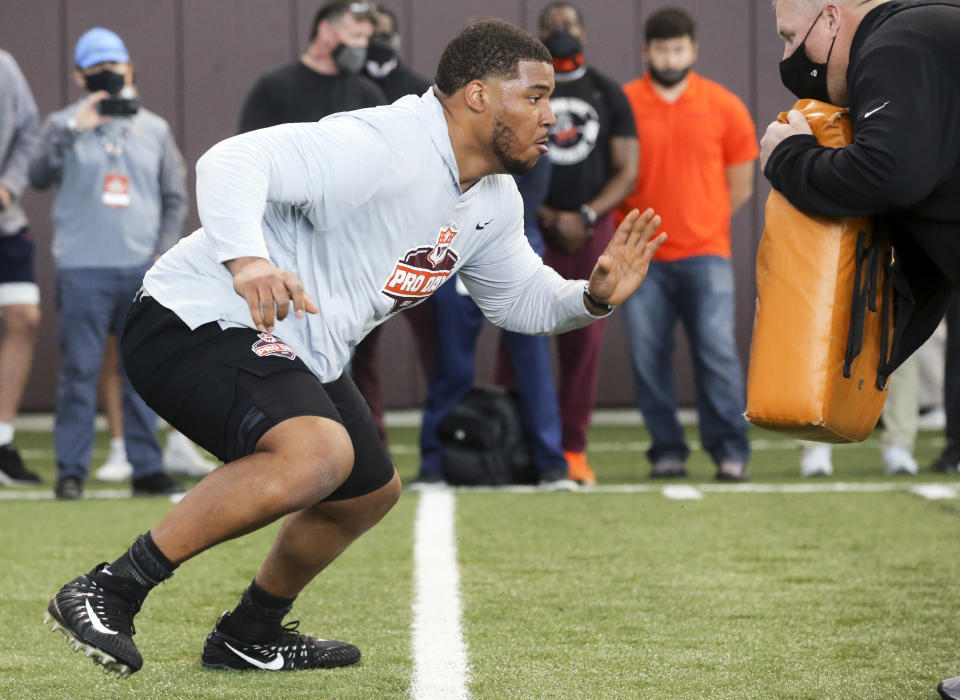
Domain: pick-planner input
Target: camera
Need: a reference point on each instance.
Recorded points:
(119, 106)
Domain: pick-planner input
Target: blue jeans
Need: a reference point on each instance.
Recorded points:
(457, 321)
(698, 290)
(93, 302)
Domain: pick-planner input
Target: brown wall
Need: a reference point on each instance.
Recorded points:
(196, 59)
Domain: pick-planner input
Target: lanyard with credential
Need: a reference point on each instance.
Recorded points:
(116, 185)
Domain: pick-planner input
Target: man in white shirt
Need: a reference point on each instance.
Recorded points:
(348, 220)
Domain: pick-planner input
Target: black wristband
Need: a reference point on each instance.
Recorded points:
(607, 308)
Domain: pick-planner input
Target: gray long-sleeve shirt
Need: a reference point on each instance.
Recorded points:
(87, 232)
(19, 134)
(365, 207)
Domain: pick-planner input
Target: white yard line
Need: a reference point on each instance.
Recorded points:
(933, 489)
(686, 490)
(19, 493)
(439, 652)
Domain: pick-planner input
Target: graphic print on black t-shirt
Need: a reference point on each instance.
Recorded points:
(590, 110)
(575, 134)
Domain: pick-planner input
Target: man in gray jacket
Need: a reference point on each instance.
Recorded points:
(19, 294)
(121, 204)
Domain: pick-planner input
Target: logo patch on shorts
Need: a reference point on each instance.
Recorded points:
(271, 345)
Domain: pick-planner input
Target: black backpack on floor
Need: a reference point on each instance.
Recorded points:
(483, 442)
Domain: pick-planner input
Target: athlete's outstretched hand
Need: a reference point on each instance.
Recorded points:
(269, 291)
(623, 265)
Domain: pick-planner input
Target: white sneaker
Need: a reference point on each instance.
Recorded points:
(182, 457)
(116, 468)
(898, 460)
(816, 461)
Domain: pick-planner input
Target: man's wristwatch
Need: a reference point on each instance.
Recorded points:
(588, 215)
(607, 308)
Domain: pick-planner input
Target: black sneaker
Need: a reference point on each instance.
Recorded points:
(12, 471)
(158, 484)
(948, 462)
(291, 652)
(557, 479)
(669, 468)
(97, 621)
(69, 488)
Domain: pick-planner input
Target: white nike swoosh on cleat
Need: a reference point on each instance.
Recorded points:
(275, 664)
(95, 621)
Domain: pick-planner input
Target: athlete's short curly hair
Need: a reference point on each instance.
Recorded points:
(488, 48)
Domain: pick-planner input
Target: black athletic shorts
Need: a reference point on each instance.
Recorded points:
(16, 258)
(225, 388)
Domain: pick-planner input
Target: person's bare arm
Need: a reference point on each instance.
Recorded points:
(739, 184)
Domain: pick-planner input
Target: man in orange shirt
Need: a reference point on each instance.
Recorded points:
(698, 145)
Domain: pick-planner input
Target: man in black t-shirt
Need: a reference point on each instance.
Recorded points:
(327, 77)
(594, 151)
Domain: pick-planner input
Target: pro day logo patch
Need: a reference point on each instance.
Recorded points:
(270, 345)
(421, 271)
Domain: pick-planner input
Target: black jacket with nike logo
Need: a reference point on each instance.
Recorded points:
(903, 83)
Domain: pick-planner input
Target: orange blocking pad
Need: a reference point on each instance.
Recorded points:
(808, 270)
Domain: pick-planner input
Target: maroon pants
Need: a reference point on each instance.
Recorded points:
(365, 365)
(578, 351)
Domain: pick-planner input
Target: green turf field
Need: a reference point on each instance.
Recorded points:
(585, 595)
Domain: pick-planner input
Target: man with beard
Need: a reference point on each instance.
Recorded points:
(699, 146)
(593, 149)
(312, 235)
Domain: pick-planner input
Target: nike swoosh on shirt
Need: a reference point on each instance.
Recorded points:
(275, 664)
(480, 228)
(876, 110)
(95, 621)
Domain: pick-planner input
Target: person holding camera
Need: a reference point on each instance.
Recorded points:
(121, 203)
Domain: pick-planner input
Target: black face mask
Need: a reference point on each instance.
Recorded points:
(566, 49)
(670, 76)
(381, 59)
(104, 80)
(801, 76)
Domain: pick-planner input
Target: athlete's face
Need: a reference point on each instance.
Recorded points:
(521, 116)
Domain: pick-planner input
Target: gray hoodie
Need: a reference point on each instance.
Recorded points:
(19, 134)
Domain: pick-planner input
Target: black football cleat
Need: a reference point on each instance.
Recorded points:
(292, 651)
(98, 622)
